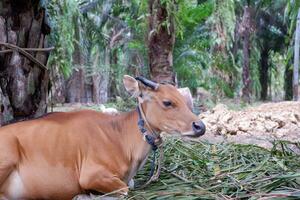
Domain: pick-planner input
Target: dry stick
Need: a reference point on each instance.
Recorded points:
(6, 51)
(30, 49)
(26, 54)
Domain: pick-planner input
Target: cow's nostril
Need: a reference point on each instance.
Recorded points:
(198, 128)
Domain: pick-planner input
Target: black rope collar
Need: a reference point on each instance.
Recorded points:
(149, 138)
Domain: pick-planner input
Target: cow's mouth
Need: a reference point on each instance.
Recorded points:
(192, 134)
(198, 129)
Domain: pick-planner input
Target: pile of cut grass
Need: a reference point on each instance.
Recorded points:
(197, 170)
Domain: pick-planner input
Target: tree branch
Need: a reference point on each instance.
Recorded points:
(24, 53)
(30, 49)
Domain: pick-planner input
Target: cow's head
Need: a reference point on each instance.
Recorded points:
(164, 107)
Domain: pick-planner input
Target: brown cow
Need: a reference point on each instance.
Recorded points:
(62, 155)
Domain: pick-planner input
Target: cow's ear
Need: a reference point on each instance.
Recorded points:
(131, 85)
(187, 95)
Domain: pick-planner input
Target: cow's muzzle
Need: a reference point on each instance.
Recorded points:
(198, 128)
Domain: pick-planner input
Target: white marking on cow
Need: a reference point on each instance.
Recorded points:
(15, 187)
(111, 111)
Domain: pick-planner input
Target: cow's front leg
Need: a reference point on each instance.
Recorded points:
(101, 180)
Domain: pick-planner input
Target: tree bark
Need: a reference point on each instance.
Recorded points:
(58, 86)
(75, 86)
(5, 109)
(113, 93)
(76, 82)
(263, 75)
(246, 69)
(161, 39)
(96, 80)
(104, 77)
(296, 60)
(96, 84)
(288, 82)
(246, 33)
(108, 87)
(24, 85)
(100, 79)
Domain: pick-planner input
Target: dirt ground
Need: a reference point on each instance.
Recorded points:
(259, 125)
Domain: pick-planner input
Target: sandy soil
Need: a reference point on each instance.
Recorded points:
(259, 125)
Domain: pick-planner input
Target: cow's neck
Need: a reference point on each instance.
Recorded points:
(135, 146)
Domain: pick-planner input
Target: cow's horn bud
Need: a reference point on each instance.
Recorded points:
(148, 83)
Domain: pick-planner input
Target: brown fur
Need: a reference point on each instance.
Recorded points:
(64, 154)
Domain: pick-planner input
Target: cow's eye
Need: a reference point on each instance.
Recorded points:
(167, 103)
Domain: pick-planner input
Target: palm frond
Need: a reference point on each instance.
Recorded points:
(199, 170)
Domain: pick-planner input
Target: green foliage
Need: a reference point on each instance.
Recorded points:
(207, 51)
(277, 75)
(191, 49)
(290, 17)
(222, 23)
(62, 34)
(202, 55)
(138, 25)
(191, 16)
(254, 70)
(123, 105)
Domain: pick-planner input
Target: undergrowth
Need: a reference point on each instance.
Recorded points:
(197, 170)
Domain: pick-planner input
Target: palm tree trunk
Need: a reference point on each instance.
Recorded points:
(296, 60)
(104, 77)
(288, 82)
(263, 78)
(161, 39)
(76, 83)
(246, 30)
(24, 85)
(113, 92)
